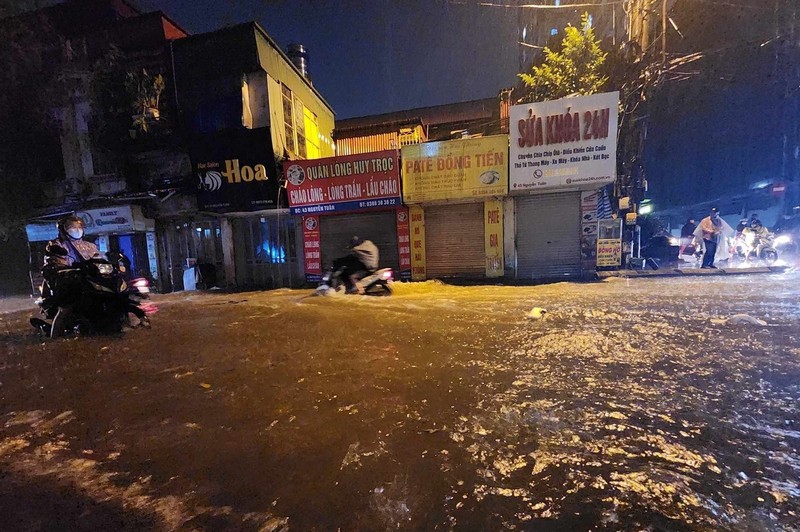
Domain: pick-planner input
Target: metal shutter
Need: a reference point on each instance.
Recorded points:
(380, 227)
(454, 241)
(548, 236)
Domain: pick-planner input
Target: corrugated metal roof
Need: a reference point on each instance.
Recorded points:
(438, 114)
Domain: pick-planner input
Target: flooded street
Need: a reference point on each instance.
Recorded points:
(628, 405)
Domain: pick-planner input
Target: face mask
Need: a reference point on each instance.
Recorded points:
(75, 233)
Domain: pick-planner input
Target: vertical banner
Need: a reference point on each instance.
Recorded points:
(404, 243)
(493, 231)
(589, 201)
(313, 265)
(609, 244)
(152, 256)
(417, 243)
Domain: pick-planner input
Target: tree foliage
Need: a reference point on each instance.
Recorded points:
(575, 69)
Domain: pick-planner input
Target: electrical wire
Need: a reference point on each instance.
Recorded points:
(550, 6)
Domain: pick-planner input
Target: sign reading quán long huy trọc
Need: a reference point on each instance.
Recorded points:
(346, 183)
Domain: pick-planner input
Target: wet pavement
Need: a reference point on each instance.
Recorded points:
(632, 404)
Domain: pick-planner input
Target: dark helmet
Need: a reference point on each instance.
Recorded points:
(355, 241)
(755, 223)
(70, 221)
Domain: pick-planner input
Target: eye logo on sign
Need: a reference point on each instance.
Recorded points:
(537, 174)
(489, 177)
(210, 182)
(295, 175)
(311, 223)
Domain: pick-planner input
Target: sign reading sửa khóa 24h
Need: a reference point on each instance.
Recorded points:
(455, 169)
(568, 143)
(345, 183)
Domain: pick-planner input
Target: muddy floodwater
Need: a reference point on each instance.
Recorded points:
(661, 404)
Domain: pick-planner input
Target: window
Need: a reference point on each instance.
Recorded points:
(312, 134)
(300, 128)
(288, 118)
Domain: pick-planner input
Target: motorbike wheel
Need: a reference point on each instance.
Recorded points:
(769, 256)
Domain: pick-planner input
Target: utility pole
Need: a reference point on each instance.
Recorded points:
(664, 32)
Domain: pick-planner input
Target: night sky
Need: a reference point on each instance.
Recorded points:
(377, 56)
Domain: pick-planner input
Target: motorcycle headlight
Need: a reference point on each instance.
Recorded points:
(674, 241)
(105, 269)
(783, 239)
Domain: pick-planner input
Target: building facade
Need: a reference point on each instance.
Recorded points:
(246, 109)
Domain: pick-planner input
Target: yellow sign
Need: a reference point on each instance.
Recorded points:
(417, 243)
(609, 252)
(455, 169)
(493, 229)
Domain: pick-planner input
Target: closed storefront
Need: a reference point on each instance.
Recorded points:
(379, 227)
(548, 236)
(337, 198)
(561, 153)
(454, 241)
(457, 216)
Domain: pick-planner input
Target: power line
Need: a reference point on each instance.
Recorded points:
(550, 6)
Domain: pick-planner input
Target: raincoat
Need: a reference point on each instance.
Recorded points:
(707, 228)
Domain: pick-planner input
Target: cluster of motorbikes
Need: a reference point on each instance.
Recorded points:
(92, 296)
(753, 247)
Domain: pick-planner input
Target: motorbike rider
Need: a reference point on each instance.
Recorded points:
(70, 239)
(757, 229)
(66, 250)
(362, 260)
(687, 235)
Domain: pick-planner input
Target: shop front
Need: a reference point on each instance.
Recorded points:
(562, 153)
(337, 198)
(454, 189)
(252, 238)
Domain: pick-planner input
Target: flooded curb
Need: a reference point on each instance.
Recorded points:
(690, 272)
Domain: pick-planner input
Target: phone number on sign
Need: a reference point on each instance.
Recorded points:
(378, 203)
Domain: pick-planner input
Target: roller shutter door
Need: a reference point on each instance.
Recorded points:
(380, 227)
(548, 236)
(454, 241)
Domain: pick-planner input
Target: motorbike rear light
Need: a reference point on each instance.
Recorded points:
(387, 275)
(141, 283)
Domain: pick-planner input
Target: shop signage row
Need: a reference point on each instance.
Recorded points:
(569, 143)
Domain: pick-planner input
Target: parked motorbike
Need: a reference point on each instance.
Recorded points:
(377, 283)
(88, 297)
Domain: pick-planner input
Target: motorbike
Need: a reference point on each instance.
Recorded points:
(377, 283)
(140, 286)
(785, 245)
(750, 246)
(87, 297)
